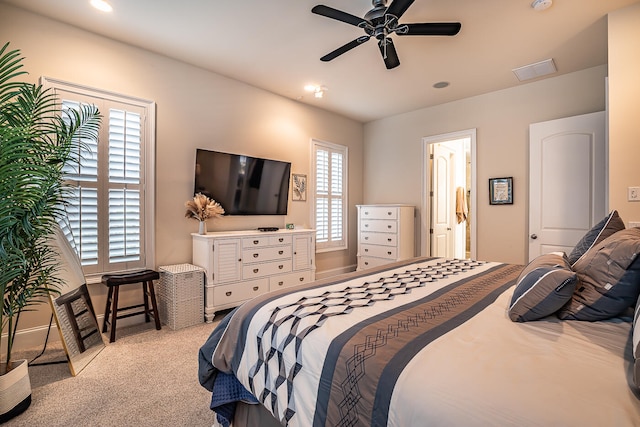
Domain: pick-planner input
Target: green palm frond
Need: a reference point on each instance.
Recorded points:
(36, 141)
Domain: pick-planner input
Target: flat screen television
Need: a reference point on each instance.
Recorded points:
(243, 185)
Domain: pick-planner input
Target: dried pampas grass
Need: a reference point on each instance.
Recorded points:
(203, 208)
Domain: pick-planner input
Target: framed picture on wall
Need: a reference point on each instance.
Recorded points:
(299, 188)
(501, 191)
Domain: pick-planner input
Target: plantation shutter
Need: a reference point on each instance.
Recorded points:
(105, 205)
(330, 195)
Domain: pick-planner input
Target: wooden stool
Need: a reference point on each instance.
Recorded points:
(113, 282)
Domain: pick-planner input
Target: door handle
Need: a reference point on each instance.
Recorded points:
(534, 236)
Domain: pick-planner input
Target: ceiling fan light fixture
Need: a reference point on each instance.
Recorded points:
(539, 5)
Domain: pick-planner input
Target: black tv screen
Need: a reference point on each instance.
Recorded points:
(243, 185)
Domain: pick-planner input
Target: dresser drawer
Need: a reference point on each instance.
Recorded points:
(280, 240)
(379, 225)
(368, 262)
(379, 212)
(230, 294)
(379, 251)
(387, 239)
(255, 242)
(253, 271)
(266, 254)
(286, 280)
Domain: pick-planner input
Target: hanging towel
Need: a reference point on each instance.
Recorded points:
(461, 205)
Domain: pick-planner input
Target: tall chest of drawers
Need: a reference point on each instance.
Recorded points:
(240, 265)
(385, 234)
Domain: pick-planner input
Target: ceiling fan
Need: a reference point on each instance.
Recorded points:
(382, 21)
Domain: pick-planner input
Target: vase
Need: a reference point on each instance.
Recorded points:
(15, 390)
(202, 227)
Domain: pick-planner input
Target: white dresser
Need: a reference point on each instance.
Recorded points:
(385, 234)
(240, 265)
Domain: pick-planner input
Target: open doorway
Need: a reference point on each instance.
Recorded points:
(449, 199)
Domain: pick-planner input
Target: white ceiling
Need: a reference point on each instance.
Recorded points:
(276, 45)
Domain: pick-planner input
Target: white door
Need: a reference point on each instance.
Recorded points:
(442, 238)
(567, 181)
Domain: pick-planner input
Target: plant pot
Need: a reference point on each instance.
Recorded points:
(15, 391)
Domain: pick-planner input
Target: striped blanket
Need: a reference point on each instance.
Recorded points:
(330, 353)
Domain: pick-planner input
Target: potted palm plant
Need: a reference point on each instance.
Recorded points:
(36, 141)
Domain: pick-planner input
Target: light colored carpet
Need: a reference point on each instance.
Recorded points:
(145, 378)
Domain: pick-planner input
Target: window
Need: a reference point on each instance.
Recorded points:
(109, 208)
(330, 197)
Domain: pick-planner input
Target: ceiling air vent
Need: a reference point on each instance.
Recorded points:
(533, 71)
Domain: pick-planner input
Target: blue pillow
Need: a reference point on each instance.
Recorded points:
(543, 287)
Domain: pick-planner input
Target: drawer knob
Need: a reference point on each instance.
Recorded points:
(302, 279)
(366, 225)
(366, 263)
(255, 255)
(281, 266)
(366, 250)
(255, 288)
(366, 212)
(281, 240)
(388, 240)
(366, 238)
(280, 283)
(255, 242)
(239, 259)
(228, 293)
(388, 252)
(388, 213)
(280, 252)
(388, 226)
(255, 270)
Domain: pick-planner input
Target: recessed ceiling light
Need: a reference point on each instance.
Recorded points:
(440, 85)
(101, 5)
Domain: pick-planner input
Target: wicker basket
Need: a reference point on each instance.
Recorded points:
(181, 295)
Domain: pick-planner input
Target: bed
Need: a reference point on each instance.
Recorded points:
(433, 341)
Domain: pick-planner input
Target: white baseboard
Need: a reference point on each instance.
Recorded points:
(27, 339)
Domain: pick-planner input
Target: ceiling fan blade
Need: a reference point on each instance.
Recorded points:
(339, 15)
(389, 54)
(398, 7)
(343, 49)
(429, 29)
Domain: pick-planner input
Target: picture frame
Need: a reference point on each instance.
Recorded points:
(501, 191)
(299, 188)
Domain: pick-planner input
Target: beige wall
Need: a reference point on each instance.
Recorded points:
(195, 109)
(624, 110)
(393, 150)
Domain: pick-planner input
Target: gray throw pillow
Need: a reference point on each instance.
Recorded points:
(609, 278)
(543, 287)
(605, 228)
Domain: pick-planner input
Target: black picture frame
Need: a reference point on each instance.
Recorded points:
(501, 191)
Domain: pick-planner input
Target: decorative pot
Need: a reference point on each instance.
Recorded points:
(202, 228)
(15, 391)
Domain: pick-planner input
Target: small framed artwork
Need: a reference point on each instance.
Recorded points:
(501, 191)
(299, 188)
